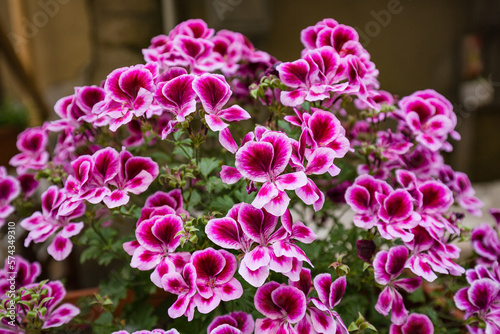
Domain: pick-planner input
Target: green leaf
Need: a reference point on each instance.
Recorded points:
(417, 296)
(25, 303)
(473, 320)
(91, 253)
(242, 196)
(215, 184)
(159, 156)
(46, 299)
(352, 327)
(222, 204)
(194, 200)
(142, 317)
(187, 152)
(178, 134)
(207, 165)
(105, 258)
(105, 318)
(367, 325)
(285, 127)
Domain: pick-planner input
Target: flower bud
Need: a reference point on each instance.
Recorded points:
(366, 249)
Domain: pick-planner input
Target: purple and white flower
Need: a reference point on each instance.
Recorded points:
(388, 266)
(55, 218)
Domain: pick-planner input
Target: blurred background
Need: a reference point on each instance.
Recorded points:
(453, 46)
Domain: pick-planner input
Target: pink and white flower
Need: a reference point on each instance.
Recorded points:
(76, 109)
(263, 161)
(245, 226)
(158, 238)
(214, 92)
(32, 143)
(129, 93)
(57, 314)
(215, 282)
(10, 188)
(177, 96)
(284, 306)
(135, 175)
(154, 331)
(109, 176)
(55, 218)
(388, 266)
(415, 323)
(183, 285)
(26, 273)
(430, 118)
(481, 298)
(233, 323)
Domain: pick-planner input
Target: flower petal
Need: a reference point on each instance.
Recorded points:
(397, 206)
(231, 290)
(418, 323)
(254, 160)
(264, 302)
(266, 194)
(223, 232)
(278, 205)
(230, 175)
(322, 285)
(60, 248)
(227, 140)
(208, 263)
(408, 284)
(290, 300)
(106, 164)
(483, 292)
(61, 315)
(165, 229)
(234, 113)
(396, 260)
(384, 301)
(257, 258)
(337, 290)
(291, 181)
(215, 123)
(213, 91)
(144, 259)
(320, 161)
(254, 277)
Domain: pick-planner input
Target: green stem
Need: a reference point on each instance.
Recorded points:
(180, 146)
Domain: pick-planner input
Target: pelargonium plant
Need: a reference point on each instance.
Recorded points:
(212, 184)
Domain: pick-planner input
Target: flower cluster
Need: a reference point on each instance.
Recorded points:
(31, 306)
(486, 242)
(481, 298)
(253, 232)
(199, 49)
(154, 331)
(32, 143)
(108, 176)
(429, 118)
(9, 190)
(164, 155)
(333, 63)
(233, 323)
(416, 213)
(26, 273)
(290, 309)
(55, 218)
